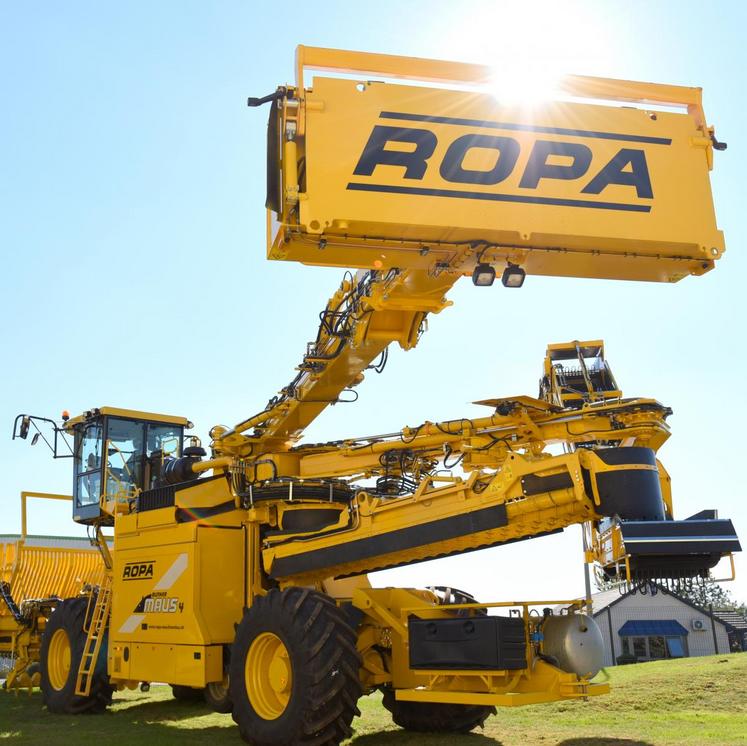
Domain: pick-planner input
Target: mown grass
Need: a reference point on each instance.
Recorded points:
(670, 703)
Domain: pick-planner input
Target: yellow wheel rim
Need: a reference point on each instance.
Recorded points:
(269, 677)
(58, 659)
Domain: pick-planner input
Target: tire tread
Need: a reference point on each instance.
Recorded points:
(70, 615)
(324, 698)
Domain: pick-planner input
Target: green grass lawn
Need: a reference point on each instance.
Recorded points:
(692, 701)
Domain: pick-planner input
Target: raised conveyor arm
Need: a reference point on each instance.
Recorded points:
(519, 424)
(530, 494)
(524, 500)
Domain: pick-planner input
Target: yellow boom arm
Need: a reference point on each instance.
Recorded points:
(362, 318)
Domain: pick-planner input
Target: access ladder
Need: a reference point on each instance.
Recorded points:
(96, 630)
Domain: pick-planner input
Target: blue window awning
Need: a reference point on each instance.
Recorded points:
(643, 627)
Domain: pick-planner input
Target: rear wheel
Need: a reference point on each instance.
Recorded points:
(218, 696)
(186, 693)
(431, 717)
(294, 671)
(61, 651)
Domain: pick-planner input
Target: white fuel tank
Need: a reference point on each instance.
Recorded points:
(575, 642)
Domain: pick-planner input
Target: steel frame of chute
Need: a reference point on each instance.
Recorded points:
(244, 574)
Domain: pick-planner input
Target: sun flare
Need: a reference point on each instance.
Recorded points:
(531, 47)
(524, 85)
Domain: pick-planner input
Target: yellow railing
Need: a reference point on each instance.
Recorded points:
(465, 73)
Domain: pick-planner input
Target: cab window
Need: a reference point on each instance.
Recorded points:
(88, 465)
(165, 438)
(164, 441)
(125, 441)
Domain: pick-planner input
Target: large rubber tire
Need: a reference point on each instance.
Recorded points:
(187, 693)
(65, 628)
(316, 683)
(431, 717)
(218, 693)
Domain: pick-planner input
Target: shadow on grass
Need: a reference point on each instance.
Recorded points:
(137, 720)
(407, 738)
(124, 700)
(603, 742)
(163, 722)
(166, 709)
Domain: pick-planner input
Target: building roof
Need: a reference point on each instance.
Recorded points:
(600, 601)
(603, 599)
(56, 542)
(732, 618)
(608, 599)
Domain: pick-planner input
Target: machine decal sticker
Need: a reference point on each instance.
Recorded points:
(625, 137)
(548, 161)
(159, 601)
(131, 623)
(165, 583)
(138, 571)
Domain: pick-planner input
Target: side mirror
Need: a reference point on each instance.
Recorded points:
(25, 425)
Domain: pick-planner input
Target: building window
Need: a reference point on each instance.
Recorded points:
(655, 647)
(676, 647)
(654, 639)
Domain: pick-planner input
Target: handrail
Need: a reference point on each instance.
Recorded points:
(442, 71)
(44, 496)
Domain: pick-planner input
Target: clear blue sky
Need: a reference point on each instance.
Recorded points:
(132, 238)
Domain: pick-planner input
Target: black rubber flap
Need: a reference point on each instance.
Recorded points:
(680, 537)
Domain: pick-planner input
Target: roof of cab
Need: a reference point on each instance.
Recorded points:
(130, 414)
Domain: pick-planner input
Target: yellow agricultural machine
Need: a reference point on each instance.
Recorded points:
(241, 574)
(36, 574)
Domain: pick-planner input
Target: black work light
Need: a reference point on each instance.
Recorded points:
(513, 276)
(483, 275)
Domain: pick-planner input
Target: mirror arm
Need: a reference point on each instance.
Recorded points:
(22, 424)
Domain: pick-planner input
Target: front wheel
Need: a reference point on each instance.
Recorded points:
(294, 671)
(61, 651)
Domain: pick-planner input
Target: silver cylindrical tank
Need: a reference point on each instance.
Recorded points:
(575, 642)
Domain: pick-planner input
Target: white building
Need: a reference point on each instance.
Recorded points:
(654, 626)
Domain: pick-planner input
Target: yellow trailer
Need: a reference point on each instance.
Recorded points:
(36, 573)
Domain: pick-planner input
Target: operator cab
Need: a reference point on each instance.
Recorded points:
(576, 374)
(117, 454)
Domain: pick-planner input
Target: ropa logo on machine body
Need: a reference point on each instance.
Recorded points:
(548, 160)
(138, 571)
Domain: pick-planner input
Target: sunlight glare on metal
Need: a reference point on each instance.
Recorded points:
(524, 85)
